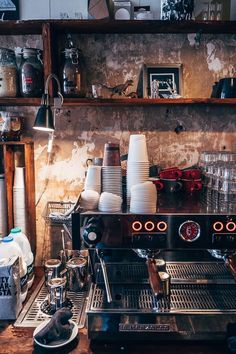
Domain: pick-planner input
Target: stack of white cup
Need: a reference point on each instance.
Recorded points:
(19, 207)
(93, 179)
(3, 207)
(89, 199)
(138, 163)
(109, 202)
(143, 198)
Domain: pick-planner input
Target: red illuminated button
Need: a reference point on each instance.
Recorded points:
(162, 226)
(231, 226)
(149, 226)
(137, 226)
(189, 231)
(218, 226)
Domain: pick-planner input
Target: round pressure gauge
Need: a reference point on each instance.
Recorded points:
(189, 231)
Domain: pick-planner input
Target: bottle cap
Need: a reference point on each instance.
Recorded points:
(7, 239)
(15, 230)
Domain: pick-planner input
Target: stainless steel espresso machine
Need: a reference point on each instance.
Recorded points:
(164, 276)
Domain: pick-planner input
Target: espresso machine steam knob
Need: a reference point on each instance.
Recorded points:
(92, 233)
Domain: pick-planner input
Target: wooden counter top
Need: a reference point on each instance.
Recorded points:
(19, 341)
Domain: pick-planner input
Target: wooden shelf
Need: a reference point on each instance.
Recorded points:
(20, 101)
(150, 26)
(116, 26)
(76, 102)
(16, 142)
(21, 27)
(146, 101)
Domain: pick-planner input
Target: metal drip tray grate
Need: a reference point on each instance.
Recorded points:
(180, 272)
(32, 316)
(185, 298)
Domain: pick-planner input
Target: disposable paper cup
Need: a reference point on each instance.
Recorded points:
(19, 177)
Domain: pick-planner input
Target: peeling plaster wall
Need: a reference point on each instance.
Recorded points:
(81, 132)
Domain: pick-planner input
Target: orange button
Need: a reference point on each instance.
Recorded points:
(137, 226)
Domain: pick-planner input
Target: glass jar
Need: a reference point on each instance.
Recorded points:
(31, 73)
(73, 73)
(11, 124)
(8, 73)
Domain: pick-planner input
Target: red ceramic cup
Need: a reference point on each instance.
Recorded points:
(171, 173)
(190, 185)
(191, 173)
(171, 185)
(159, 185)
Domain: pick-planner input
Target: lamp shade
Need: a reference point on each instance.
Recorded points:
(44, 119)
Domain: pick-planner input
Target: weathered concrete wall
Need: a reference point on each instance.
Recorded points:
(81, 132)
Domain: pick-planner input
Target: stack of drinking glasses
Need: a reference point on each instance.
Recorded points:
(219, 171)
(138, 163)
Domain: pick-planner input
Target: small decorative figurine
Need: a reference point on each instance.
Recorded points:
(120, 89)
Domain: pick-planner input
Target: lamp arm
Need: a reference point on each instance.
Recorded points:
(50, 77)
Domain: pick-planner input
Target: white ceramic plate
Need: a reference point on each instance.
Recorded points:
(63, 342)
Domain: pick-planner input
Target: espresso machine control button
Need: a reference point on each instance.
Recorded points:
(92, 233)
(189, 231)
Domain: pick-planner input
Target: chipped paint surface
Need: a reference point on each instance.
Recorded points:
(82, 132)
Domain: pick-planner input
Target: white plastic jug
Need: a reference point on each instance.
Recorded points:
(9, 248)
(22, 240)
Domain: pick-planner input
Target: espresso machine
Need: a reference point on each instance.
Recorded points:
(163, 276)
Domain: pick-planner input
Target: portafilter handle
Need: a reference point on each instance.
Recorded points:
(104, 272)
(154, 279)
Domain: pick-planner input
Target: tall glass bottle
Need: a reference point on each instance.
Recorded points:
(73, 73)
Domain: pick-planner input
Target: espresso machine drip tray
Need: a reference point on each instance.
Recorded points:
(184, 298)
(195, 288)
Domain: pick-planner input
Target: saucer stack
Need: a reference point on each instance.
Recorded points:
(89, 200)
(137, 164)
(143, 198)
(3, 207)
(19, 208)
(109, 202)
(93, 179)
(111, 170)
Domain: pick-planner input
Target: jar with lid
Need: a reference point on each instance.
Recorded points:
(8, 73)
(31, 73)
(73, 73)
(11, 124)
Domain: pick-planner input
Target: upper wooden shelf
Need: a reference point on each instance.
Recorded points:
(117, 26)
(75, 102)
(146, 101)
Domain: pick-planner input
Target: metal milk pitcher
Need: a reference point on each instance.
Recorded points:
(76, 273)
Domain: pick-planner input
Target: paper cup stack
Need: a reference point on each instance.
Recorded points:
(111, 170)
(143, 198)
(137, 164)
(109, 202)
(89, 200)
(19, 209)
(3, 207)
(93, 179)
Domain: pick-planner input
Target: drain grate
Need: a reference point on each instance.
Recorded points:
(32, 316)
(189, 298)
(214, 272)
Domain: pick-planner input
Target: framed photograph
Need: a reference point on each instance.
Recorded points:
(9, 9)
(162, 81)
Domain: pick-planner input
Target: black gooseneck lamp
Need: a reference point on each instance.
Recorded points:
(45, 118)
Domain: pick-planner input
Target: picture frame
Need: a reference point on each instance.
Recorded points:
(168, 78)
(9, 10)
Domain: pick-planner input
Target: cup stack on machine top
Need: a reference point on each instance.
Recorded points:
(143, 198)
(93, 179)
(111, 170)
(138, 163)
